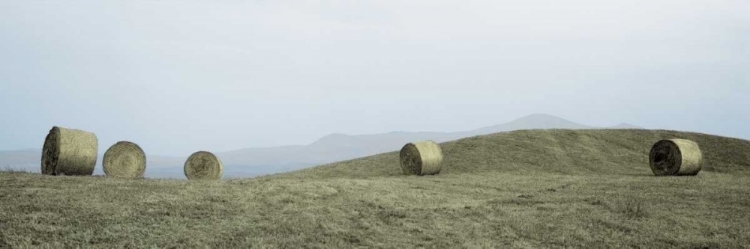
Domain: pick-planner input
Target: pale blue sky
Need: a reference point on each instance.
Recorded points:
(181, 76)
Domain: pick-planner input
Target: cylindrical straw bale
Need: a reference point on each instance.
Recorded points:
(675, 157)
(203, 165)
(69, 152)
(124, 160)
(421, 158)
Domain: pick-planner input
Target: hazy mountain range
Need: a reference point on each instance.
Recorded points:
(332, 148)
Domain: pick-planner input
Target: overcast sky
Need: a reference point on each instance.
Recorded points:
(181, 76)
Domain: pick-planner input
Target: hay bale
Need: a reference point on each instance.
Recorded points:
(69, 152)
(124, 160)
(421, 158)
(675, 157)
(203, 165)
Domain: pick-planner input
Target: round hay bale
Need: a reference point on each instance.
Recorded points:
(203, 165)
(124, 160)
(69, 152)
(421, 158)
(675, 157)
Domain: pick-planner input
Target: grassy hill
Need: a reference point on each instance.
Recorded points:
(523, 189)
(573, 152)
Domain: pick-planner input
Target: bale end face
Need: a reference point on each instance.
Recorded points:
(124, 160)
(411, 160)
(51, 151)
(203, 165)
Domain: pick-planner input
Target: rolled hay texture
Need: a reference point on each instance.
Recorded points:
(675, 157)
(421, 158)
(124, 160)
(69, 152)
(203, 165)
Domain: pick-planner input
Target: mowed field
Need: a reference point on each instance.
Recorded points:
(522, 189)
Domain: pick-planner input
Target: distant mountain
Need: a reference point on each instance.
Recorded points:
(338, 147)
(328, 149)
(534, 121)
(625, 126)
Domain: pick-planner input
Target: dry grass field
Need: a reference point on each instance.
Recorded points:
(522, 189)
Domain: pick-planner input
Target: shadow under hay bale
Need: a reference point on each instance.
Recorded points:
(675, 157)
(421, 158)
(124, 160)
(203, 165)
(69, 152)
